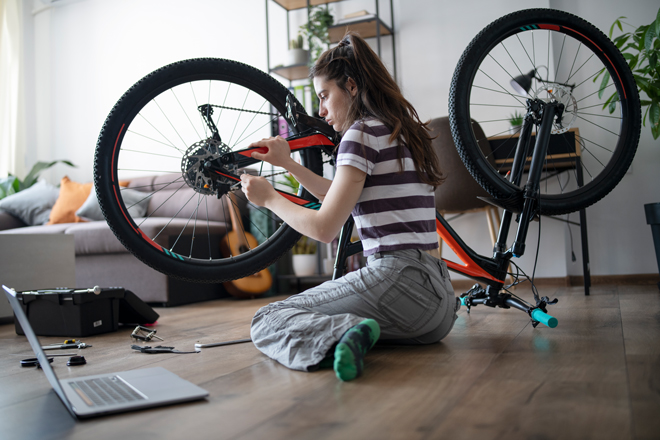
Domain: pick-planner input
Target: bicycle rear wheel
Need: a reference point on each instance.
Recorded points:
(157, 138)
(564, 59)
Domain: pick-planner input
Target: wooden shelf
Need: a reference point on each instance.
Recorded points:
(290, 5)
(366, 28)
(297, 71)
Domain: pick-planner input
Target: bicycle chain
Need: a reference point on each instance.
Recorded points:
(243, 110)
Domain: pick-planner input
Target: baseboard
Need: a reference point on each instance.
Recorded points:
(569, 281)
(616, 280)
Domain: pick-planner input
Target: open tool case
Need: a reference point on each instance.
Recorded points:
(82, 312)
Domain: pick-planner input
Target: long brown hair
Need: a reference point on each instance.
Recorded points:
(379, 97)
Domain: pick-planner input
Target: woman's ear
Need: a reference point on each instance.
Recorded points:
(351, 86)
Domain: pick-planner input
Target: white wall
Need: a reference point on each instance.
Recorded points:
(82, 56)
(86, 54)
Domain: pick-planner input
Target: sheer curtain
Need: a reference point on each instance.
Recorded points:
(10, 88)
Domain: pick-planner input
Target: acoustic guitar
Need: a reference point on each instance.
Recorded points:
(236, 242)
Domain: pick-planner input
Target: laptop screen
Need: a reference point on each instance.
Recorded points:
(36, 347)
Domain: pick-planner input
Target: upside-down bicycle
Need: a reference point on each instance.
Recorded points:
(193, 120)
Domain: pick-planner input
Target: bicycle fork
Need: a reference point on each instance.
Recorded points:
(492, 295)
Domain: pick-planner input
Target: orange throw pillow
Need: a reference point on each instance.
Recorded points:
(72, 196)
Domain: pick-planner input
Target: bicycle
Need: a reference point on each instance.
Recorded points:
(193, 119)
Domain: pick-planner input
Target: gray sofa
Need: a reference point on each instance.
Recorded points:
(102, 260)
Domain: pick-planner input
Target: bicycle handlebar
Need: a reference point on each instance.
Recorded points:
(542, 317)
(536, 314)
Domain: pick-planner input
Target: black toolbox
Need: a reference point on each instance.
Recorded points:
(82, 312)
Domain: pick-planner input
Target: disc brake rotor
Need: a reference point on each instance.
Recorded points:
(561, 94)
(195, 173)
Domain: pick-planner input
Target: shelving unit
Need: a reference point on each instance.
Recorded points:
(370, 26)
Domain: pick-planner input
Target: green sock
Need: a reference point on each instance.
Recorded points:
(353, 345)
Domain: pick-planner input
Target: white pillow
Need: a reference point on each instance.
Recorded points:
(32, 205)
(137, 203)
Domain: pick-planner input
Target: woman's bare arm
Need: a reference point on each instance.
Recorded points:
(322, 225)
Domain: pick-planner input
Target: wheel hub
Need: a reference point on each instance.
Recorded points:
(194, 171)
(552, 92)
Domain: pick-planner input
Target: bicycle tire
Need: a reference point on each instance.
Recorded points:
(129, 148)
(512, 46)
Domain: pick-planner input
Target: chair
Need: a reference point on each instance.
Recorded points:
(458, 194)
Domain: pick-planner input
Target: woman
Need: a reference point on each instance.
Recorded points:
(386, 175)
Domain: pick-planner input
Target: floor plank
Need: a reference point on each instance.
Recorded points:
(595, 376)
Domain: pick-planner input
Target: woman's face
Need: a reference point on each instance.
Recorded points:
(334, 101)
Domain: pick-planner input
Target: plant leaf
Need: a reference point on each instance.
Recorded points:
(648, 38)
(654, 115)
(10, 185)
(612, 106)
(609, 100)
(603, 84)
(38, 167)
(598, 74)
(657, 23)
(617, 23)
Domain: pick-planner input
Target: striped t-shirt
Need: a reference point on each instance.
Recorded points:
(395, 210)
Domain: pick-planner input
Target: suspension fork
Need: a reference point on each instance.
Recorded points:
(532, 187)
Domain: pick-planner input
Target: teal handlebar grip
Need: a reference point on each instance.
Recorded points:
(540, 316)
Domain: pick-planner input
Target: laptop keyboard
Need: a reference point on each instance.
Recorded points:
(104, 391)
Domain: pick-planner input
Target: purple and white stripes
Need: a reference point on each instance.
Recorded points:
(395, 210)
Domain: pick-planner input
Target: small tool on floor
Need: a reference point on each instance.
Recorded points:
(159, 349)
(219, 344)
(142, 333)
(79, 345)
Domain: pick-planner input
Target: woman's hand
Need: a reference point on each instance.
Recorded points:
(278, 154)
(257, 189)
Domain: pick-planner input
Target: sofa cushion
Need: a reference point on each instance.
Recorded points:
(97, 238)
(33, 204)
(170, 193)
(39, 229)
(135, 201)
(72, 196)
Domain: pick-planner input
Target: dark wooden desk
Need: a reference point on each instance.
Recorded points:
(564, 155)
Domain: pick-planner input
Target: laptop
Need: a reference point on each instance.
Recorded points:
(101, 394)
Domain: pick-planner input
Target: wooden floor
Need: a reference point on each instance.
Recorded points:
(595, 376)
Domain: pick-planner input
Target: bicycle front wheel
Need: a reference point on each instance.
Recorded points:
(538, 56)
(159, 139)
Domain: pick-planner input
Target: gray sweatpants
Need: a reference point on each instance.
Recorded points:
(407, 292)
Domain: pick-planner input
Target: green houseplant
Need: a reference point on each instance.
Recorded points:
(11, 184)
(316, 30)
(516, 120)
(641, 49)
(296, 54)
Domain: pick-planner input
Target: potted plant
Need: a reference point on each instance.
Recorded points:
(296, 54)
(516, 120)
(641, 49)
(304, 251)
(304, 257)
(316, 29)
